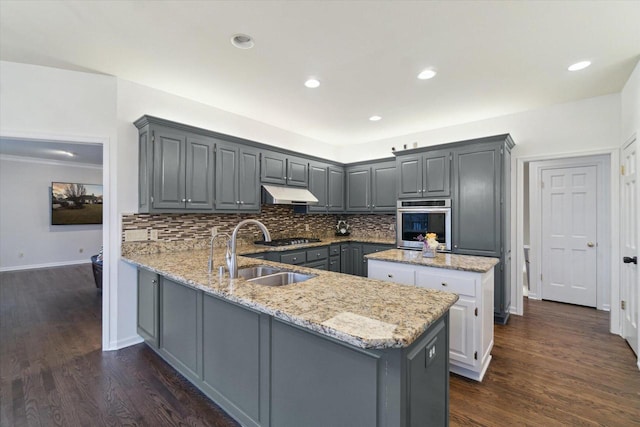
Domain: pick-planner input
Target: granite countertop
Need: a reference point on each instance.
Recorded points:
(362, 312)
(478, 264)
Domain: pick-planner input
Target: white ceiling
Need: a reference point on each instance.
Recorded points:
(493, 58)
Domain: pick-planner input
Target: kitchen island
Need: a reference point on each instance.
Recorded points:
(332, 350)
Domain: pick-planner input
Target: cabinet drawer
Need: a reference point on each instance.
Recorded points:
(334, 250)
(316, 254)
(445, 282)
(294, 258)
(391, 272)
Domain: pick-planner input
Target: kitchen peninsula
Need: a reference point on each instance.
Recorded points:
(332, 350)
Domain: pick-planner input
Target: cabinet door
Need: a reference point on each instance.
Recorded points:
(273, 168)
(297, 172)
(168, 170)
(334, 264)
(346, 266)
(476, 207)
(199, 172)
(181, 329)
(462, 326)
(409, 176)
(437, 173)
(357, 260)
(249, 180)
(226, 177)
(336, 189)
(148, 306)
(323, 264)
(391, 272)
(383, 189)
(359, 189)
(318, 186)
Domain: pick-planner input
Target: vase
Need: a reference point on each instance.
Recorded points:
(428, 252)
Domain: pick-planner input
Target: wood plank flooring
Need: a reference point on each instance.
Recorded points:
(558, 365)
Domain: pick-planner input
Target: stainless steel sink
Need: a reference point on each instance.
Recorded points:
(282, 278)
(259, 271)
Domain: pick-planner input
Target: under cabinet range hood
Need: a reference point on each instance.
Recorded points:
(277, 195)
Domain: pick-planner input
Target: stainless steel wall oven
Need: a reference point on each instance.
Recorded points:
(417, 217)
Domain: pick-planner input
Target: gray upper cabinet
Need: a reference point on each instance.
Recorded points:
(326, 182)
(237, 186)
(278, 168)
(176, 170)
(424, 174)
(371, 187)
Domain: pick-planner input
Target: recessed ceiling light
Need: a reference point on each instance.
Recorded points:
(312, 83)
(375, 118)
(579, 66)
(242, 41)
(427, 74)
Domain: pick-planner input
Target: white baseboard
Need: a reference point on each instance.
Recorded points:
(45, 265)
(127, 342)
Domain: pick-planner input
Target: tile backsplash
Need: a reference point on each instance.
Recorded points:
(281, 220)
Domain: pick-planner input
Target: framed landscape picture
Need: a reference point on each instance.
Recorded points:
(74, 203)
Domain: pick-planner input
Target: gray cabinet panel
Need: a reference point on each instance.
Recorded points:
(318, 179)
(334, 264)
(148, 306)
(179, 331)
(437, 174)
(226, 177)
(345, 259)
(336, 189)
(231, 354)
(273, 168)
(249, 180)
(320, 265)
(297, 174)
(368, 248)
(145, 170)
(294, 257)
(358, 189)
(318, 253)
(199, 172)
(476, 214)
(409, 176)
(357, 260)
(383, 189)
(169, 170)
(302, 361)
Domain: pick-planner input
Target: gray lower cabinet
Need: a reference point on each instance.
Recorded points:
(148, 294)
(352, 260)
(326, 182)
(424, 174)
(371, 187)
(268, 373)
(369, 248)
(175, 170)
(181, 326)
(237, 178)
(278, 168)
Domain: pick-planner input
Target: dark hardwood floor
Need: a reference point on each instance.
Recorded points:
(558, 365)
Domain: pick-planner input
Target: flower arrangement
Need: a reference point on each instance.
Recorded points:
(430, 244)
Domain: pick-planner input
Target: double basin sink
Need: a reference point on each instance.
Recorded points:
(272, 276)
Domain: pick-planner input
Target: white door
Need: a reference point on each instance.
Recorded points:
(569, 218)
(628, 240)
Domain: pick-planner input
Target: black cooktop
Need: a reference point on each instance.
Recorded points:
(287, 242)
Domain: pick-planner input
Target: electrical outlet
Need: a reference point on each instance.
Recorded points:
(153, 234)
(135, 235)
(214, 231)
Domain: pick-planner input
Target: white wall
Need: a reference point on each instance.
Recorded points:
(630, 100)
(28, 239)
(584, 125)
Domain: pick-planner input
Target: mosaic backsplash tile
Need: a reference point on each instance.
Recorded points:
(281, 220)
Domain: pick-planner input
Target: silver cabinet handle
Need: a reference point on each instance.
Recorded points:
(591, 244)
(295, 259)
(154, 281)
(237, 202)
(364, 260)
(242, 202)
(318, 254)
(390, 275)
(284, 177)
(444, 284)
(373, 206)
(184, 200)
(189, 200)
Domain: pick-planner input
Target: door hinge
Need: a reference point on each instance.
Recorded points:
(450, 156)
(153, 136)
(541, 184)
(475, 355)
(623, 305)
(151, 199)
(622, 170)
(476, 311)
(501, 150)
(541, 277)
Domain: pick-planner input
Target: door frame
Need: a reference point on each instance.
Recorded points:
(109, 219)
(611, 192)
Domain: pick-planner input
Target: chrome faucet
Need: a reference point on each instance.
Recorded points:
(213, 238)
(232, 259)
